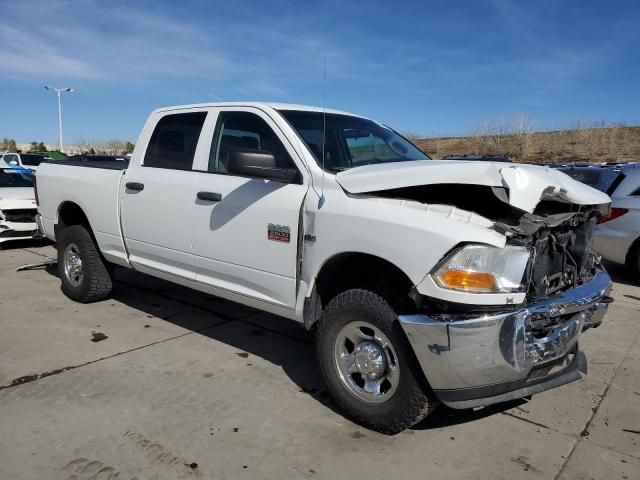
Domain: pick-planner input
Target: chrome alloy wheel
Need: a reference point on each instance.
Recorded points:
(366, 362)
(73, 269)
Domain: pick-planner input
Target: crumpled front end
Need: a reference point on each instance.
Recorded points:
(473, 360)
(17, 220)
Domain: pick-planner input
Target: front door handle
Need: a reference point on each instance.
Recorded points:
(135, 186)
(209, 196)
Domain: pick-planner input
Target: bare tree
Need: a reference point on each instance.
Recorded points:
(502, 136)
(436, 147)
(554, 144)
(586, 136)
(82, 145)
(520, 129)
(113, 146)
(411, 135)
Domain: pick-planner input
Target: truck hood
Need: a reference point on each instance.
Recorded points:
(527, 185)
(17, 193)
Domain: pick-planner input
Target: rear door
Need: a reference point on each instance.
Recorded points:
(246, 241)
(158, 198)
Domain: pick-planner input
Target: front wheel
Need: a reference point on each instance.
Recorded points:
(368, 365)
(84, 274)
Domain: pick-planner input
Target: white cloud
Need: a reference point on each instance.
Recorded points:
(124, 44)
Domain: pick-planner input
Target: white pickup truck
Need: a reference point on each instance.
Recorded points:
(462, 282)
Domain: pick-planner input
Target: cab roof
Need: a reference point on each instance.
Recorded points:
(273, 105)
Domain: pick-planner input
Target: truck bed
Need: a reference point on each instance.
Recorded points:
(104, 164)
(95, 190)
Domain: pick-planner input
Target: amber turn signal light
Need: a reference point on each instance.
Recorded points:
(466, 280)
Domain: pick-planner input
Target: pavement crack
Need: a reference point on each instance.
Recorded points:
(37, 376)
(37, 253)
(566, 460)
(615, 450)
(585, 431)
(33, 377)
(541, 425)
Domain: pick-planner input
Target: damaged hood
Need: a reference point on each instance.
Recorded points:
(527, 185)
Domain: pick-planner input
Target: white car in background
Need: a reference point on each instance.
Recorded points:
(30, 161)
(617, 235)
(17, 205)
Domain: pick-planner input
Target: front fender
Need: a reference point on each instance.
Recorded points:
(412, 236)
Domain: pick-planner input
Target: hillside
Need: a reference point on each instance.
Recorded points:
(599, 144)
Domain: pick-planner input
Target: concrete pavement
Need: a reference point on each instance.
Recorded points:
(190, 386)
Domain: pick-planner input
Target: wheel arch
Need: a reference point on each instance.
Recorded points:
(348, 270)
(634, 250)
(70, 213)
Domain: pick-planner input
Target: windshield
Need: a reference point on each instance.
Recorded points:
(604, 179)
(350, 141)
(11, 178)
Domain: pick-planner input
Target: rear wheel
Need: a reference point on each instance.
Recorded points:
(368, 365)
(84, 274)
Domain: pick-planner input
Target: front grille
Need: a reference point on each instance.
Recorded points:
(562, 257)
(22, 215)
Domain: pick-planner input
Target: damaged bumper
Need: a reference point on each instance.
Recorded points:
(473, 361)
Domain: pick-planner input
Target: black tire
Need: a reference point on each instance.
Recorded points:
(95, 283)
(633, 259)
(411, 401)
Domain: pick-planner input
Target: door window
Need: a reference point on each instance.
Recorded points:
(174, 140)
(244, 131)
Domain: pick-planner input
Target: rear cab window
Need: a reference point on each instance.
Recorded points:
(174, 141)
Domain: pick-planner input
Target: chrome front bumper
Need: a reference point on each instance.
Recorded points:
(477, 360)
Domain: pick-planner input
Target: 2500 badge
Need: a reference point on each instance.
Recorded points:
(279, 233)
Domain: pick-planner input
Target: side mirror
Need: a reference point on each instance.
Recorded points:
(13, 162)
(260, 164)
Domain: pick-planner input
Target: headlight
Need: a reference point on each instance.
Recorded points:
(484, 269)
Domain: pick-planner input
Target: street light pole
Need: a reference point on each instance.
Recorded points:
(58, 92)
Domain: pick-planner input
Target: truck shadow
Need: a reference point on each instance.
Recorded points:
(621, 274)
(252, 333)
(20, 244)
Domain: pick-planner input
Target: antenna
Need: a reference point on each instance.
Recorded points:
(324, 127)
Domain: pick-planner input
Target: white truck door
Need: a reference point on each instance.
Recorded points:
(245, 230)
(159, 196)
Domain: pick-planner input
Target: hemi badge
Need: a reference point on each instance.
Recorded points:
(279, 233)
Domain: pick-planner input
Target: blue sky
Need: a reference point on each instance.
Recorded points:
(434, 67)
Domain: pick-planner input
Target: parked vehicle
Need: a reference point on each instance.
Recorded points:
(464, 282)
(617, 235)
(17, 206)
(30, 161)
